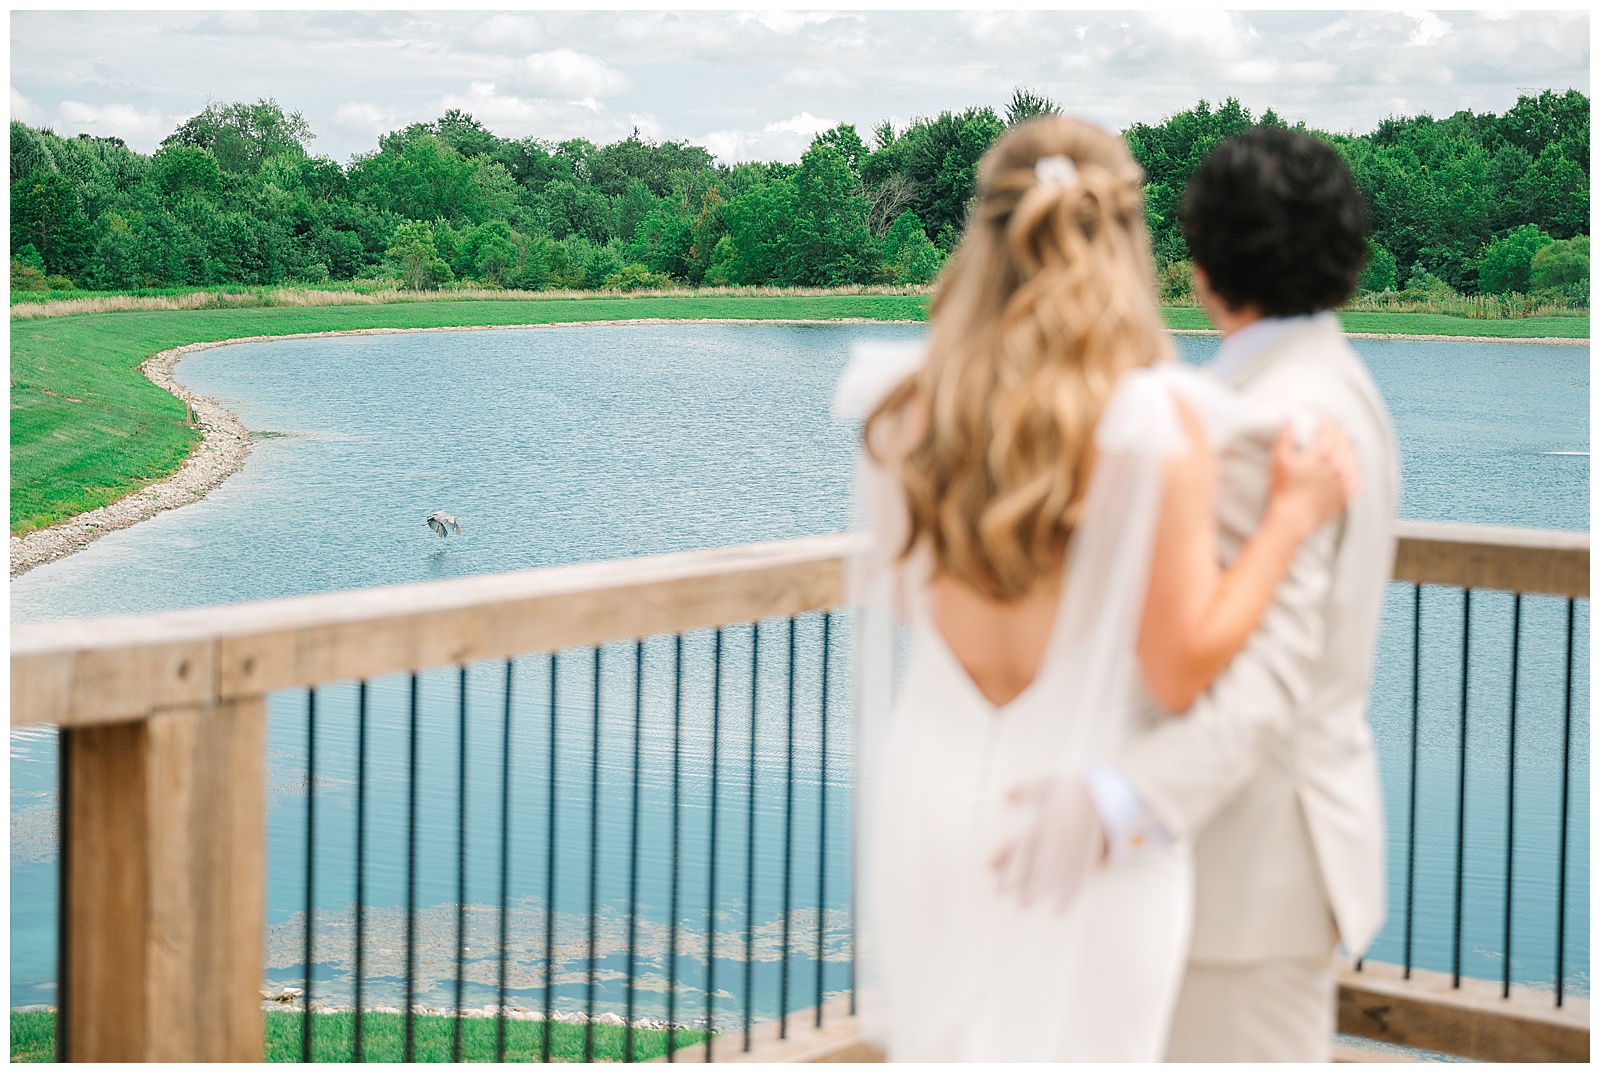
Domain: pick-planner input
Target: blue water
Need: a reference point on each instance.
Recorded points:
(565, 445)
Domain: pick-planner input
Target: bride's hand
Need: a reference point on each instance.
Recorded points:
(1312, 485)
(1059, 841)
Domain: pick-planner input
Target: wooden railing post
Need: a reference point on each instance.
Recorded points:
(165, 901)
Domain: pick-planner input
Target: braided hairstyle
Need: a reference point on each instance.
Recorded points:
(1048, 299)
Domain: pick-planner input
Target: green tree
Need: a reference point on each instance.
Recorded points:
(418, 177)
(1379, 275)
(591, 264)
(30, 152)
(937, 160)
(46, 214)
(1025, 104)
(1507, 264)
(244, 136)
(465, 135)
(1169, 152)
(849, 144)
(1563, 268)
(184, 172)
(832, 244)
(413, 250)
(577, 209)
(488, 253)
(636, 277)
(633, 205)
(663, 242)
(908, 255)
(117, 260)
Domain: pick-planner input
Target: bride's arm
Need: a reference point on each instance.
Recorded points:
(1197, 615)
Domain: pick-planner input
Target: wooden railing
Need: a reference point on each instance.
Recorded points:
(163, 723)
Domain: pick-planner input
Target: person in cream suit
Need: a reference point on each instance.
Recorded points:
(1271, 774)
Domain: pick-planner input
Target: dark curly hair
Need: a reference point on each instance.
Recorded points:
(1274, 219)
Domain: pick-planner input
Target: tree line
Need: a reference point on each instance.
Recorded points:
(1473, 203)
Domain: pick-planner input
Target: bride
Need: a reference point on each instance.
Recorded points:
(1039, 480)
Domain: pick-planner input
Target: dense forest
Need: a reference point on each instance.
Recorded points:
(1470, 204)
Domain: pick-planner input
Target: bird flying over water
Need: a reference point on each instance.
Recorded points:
(439, 519)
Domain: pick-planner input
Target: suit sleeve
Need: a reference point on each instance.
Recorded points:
(1190, 766)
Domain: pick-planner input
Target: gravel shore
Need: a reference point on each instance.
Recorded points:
(218, 456)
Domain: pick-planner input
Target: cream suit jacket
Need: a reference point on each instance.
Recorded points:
(1272, 771)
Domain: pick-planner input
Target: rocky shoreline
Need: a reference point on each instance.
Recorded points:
(224, 446)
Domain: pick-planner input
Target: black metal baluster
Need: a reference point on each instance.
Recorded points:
(64, 754)
(711, 893)
(550, 876)
(505, 867)
(311, 857)
(411, 886)
(633, 843)
(1411, 811)
(788, 842)
(361, 862)
(594, 863)
(1566, 779)
(1511, 783)
(461, 861)
(855, 879)
(822, 818)
(677, 825)
(1461, 789)
(750, 833)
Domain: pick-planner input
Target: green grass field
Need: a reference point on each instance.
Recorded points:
(87, 429)
(383, 1039)
(1190, 317)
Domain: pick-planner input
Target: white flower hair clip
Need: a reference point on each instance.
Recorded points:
(1055, 171)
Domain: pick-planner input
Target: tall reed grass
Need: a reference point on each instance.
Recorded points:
(1474, 306)
(24, 308)
(1471, 306)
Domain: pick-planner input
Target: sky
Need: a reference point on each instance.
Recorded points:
(758, 84)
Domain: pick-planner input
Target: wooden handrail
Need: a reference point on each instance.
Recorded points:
(117, 669)
(1550, 561)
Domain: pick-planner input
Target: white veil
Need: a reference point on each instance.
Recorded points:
(1096, 625)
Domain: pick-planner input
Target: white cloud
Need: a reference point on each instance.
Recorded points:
(1430, 28)
(786, 139)
(824, 78)
(565, 73)
(133, 125)
(23, 109)
(511, 33)
(366, 121)
(514, 116)
(790, 22)
(680, 73)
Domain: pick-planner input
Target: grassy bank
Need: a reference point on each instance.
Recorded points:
(1400, 323)
(87, 429)
(383, 1039)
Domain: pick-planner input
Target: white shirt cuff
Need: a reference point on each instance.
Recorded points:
(1128, 823)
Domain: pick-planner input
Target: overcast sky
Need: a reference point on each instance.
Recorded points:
(757, 85)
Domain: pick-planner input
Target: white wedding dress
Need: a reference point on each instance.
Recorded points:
(949, 970)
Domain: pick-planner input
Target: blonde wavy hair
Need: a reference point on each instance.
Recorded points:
(1048, 299)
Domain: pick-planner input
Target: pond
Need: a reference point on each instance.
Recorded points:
(564, 445)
